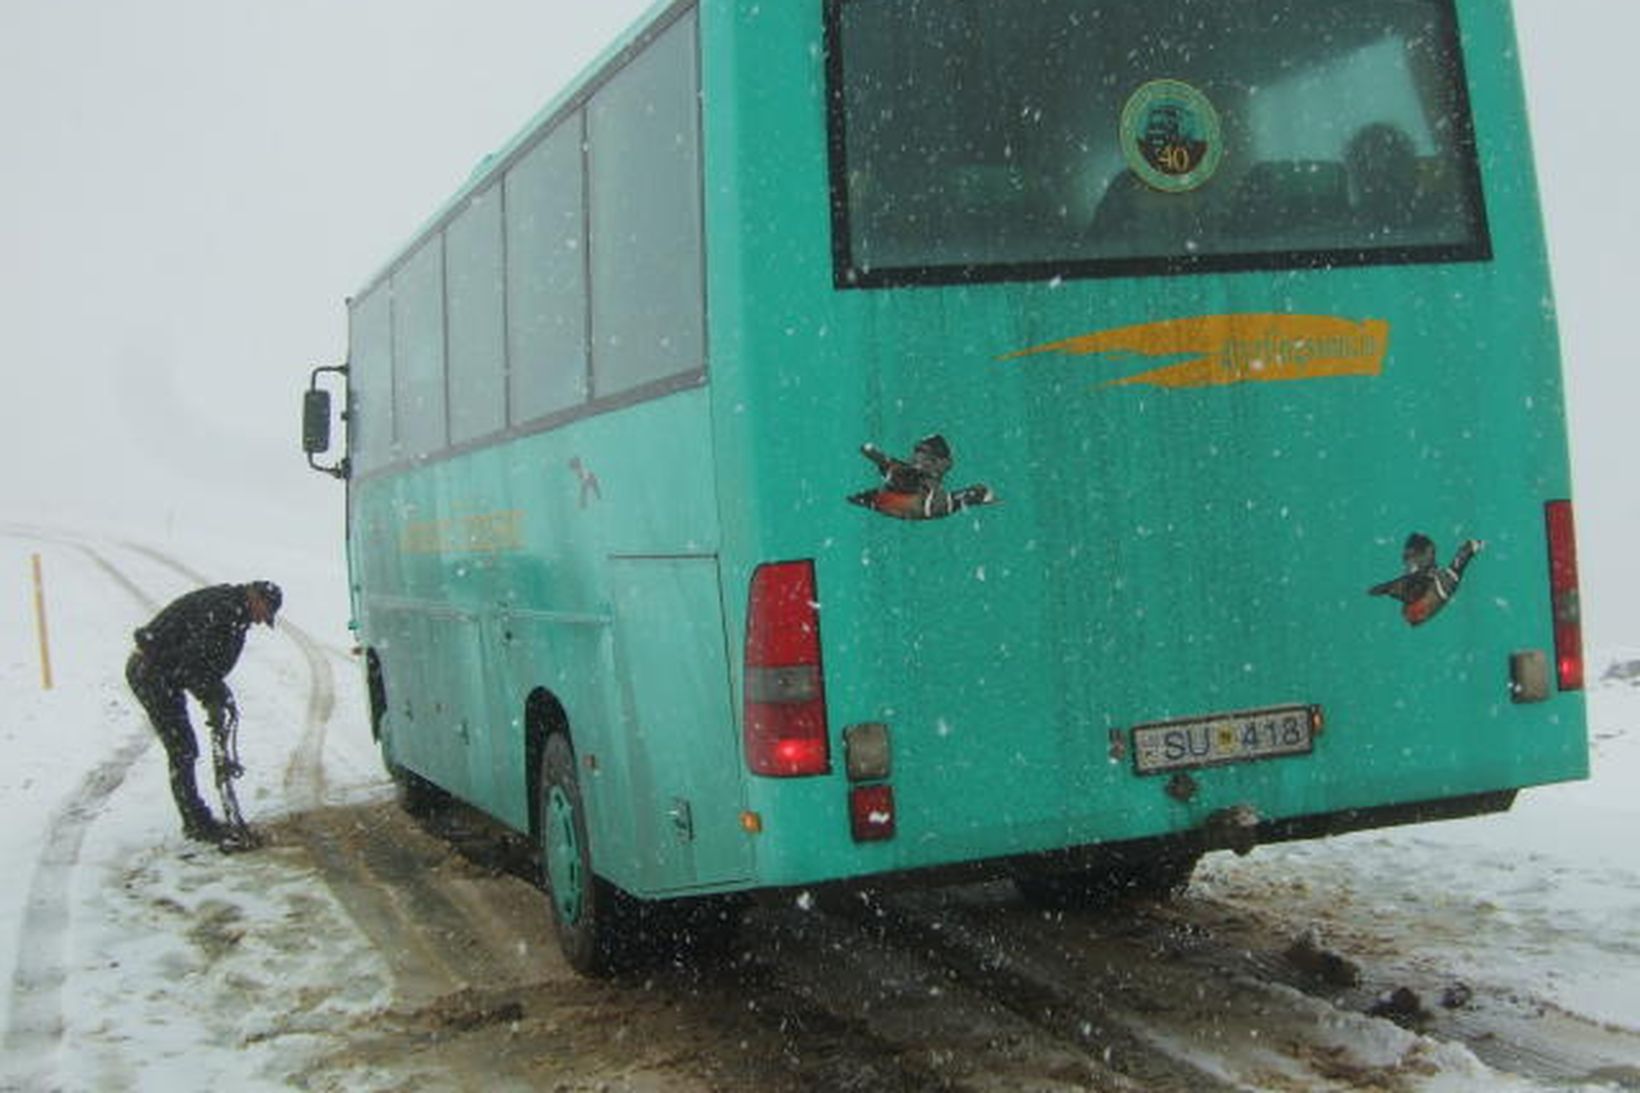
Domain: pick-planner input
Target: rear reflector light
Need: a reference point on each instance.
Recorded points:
(1568, 611)
(785, 697)
(871, 813)
(865, 752)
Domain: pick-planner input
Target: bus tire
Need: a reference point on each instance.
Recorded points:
(376, 688)
(1113, 881)
(586, 910)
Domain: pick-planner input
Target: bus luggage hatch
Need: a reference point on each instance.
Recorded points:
(682, 745)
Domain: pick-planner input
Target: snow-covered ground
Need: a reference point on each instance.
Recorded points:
(111, 931)
(1544, 899)
(109, 926)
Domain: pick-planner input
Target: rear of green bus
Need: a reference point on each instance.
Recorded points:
(1149, 426)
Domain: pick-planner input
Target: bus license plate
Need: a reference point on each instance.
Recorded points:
(1223, 738)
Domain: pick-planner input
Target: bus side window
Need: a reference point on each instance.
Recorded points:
(370, 379)
(546, 276)
(643, 138)
(418, 357)
(477, 339)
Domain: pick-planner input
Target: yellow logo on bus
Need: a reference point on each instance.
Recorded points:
(479, 533)
(1217, 350)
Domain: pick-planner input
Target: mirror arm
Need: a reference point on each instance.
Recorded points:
(343, 467)
(339, 470)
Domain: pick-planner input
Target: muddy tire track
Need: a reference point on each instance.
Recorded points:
(442, 923)
(385, 873)
(435, 924)
(1095, 1015)
(1168, 988)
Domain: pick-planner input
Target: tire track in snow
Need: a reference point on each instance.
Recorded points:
(411, 917)
(34, 1028)
(35, 1025)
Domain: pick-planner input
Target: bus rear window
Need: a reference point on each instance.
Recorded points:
(1045, 138)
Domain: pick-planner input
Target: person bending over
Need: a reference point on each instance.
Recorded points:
(189, 648)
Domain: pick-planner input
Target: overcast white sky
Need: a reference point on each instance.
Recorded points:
(189, 189)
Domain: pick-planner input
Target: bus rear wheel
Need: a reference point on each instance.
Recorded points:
(586, 910)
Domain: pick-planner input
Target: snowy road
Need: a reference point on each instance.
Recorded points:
(359, 951)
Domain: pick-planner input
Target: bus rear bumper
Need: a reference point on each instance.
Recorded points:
(1234, 830)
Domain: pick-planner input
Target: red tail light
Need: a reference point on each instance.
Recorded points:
(871, 813)
(785, 726)
(1568, 612)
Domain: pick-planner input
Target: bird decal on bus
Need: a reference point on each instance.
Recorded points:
(1426, 586)
(914, 489)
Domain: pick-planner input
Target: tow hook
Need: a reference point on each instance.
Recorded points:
(1233, 829)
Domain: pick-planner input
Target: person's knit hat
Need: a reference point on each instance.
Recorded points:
(270, 595)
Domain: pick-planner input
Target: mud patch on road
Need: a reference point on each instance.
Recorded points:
(574, 1036)
(217, 929)
(240, 958)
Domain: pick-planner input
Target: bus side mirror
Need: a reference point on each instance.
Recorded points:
(316, 423)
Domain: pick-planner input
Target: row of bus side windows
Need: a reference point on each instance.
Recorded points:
(573, 277)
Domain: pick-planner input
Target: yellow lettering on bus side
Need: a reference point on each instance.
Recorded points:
(1243, 348)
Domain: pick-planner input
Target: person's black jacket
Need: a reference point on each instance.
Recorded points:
(195, 642)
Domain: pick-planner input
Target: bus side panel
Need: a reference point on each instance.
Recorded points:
(416, 727)
(486, 579)
(682, 745)
(417, 733)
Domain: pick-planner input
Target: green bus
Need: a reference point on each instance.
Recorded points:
(849, 441)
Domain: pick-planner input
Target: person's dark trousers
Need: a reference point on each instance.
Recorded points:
(167, 707)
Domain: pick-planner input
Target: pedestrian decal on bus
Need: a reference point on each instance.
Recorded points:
(914, 489)
(1426, 586)
(589, 482)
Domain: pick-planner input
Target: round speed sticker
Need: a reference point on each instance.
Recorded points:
(1171, 136)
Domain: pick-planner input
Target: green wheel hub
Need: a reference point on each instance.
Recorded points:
(563, 852)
